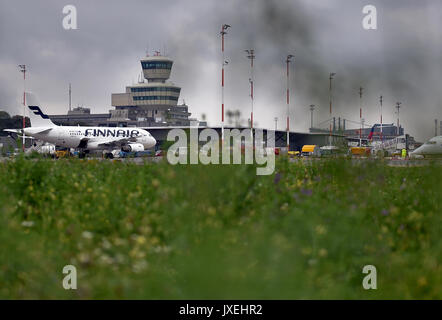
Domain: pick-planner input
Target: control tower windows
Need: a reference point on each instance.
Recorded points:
(156, 65)
(137, 98)
(151, 89)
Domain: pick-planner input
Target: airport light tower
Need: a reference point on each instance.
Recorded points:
(288, 60)
(223, 32)
(398, 106)
(251, 57)
(70, 96)
(312, 108)
(360, 116)
(381, 99)
(23, 70)
(330, 100)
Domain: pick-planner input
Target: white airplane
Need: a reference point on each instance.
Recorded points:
(85, 139)
(431, 148)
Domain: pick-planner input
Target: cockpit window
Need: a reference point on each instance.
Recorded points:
(431, 142)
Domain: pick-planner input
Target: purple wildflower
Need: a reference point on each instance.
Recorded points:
(307, 192)
(277, 178)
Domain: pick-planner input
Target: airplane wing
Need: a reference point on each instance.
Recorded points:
(44, 131)
(13, 130)
(115, 142)
(20, 131)
(16, 133)
(88, 142)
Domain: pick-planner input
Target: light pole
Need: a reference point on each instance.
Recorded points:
(251, 57)
(360, 116)
(398, 106)
(70, 96)
(288, 60)
(23, 69)
(330, 100)
(381, 99)
(312, 108)
(223, 32)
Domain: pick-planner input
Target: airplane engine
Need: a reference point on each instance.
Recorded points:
(133, 147)
(47, 149)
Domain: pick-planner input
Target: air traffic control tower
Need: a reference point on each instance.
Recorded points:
(153, 102)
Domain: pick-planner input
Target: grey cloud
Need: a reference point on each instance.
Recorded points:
(401, 60)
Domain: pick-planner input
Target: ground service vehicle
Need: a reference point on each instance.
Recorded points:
(310, 150)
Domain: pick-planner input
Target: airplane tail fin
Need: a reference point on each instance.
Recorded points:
(370, 136)
(36, 115)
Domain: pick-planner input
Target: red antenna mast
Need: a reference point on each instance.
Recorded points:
(251, 56)
(288, 60)
(360, 115)
(223, 32)
(23, 69)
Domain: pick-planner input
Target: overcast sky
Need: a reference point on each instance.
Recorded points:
(402, 59)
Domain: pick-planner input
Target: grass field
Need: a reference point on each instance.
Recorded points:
(158, 231)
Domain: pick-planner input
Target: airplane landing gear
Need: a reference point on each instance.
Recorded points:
(108, 155)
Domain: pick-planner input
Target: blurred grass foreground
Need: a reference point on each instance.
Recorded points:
(158, 231)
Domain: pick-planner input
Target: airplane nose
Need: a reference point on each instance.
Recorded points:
(153, 141)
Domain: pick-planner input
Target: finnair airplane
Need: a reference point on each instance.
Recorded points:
(85, 139)
(431, 148)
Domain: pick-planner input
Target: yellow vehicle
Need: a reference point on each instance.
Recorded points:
(360, 151)
(62, 154)
(310, 150)
(294, 154)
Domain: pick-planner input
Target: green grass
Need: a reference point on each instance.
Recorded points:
(158, 231)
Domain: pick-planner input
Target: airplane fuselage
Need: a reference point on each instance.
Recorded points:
(432, 148)
(89, 138)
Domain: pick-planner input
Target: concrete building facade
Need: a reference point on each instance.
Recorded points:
(389, 131)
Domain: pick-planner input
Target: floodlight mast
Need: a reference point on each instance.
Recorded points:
(223, 32)
(330, 101)
(312, 108)
(251, 56)
(381, 99)
(288, 60)
(23, 70)
(398, 106)
(70, 96)
(360, 116)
